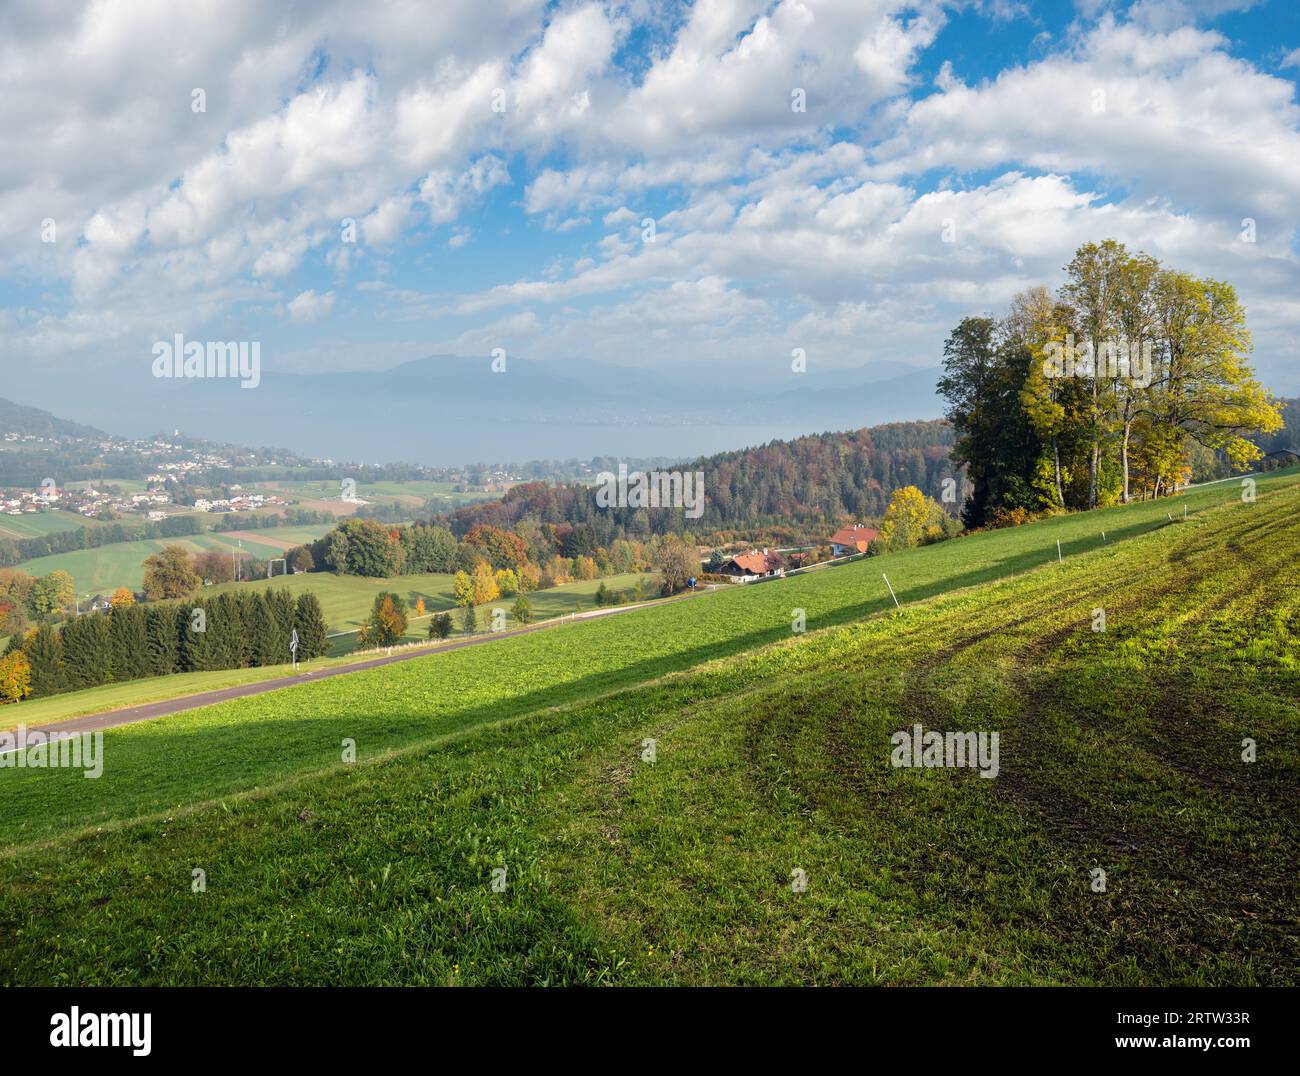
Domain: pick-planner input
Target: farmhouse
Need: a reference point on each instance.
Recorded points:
(849, 540)
(744, 567)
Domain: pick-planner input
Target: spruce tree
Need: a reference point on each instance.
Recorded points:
(196, 643)
(226, 631)
(283, 613)
(45, 654)
(87, 651)
(129, 637)
(162, 638)
(309, 622)
(264, 631)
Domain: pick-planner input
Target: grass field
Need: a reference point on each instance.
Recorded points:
(1120, 751)
(38, 524)
(348, 598)
(324, 496)
(121, 564)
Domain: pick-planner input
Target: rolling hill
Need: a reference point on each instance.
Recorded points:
(1121, 751)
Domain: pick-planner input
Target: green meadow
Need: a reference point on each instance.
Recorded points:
(347, 601)
(411, 494)
(121, 564)
(1121, 752)
(38, 524)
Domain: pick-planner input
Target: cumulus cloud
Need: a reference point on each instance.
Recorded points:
(309, 306)
(816, 177)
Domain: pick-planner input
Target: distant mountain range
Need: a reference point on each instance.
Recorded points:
(447, 410)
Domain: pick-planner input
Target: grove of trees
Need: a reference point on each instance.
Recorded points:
(1101, 392)
(128, 642)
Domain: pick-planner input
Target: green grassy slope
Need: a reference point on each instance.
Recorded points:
(282, 734)
(1120, 751)
(121, 564)
(549, 604)
(38, 524)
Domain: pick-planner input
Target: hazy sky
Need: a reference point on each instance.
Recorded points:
(499, 159)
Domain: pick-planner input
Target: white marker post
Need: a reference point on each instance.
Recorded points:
(293, 648)
(1059, 558)
(891, 590)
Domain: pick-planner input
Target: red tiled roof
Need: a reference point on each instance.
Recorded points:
(857, 536)
(756, 563)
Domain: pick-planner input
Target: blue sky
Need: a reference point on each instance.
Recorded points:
(499, 162)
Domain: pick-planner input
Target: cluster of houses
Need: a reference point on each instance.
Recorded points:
(767, 563)
(88, 502)
(243, 502)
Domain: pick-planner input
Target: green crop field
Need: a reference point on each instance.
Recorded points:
(408, 494)
(1121, 751)
(122, 564)
(37, 524)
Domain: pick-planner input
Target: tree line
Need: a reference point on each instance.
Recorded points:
(531, 556)
(1104, 391)
(807, 483)
(233, 630)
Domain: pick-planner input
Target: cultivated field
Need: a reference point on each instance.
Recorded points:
(121, 564)
(1120, 751)
(324, 496)
(37, 524)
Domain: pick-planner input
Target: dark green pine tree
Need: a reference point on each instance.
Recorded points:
(87, 651)
(243, 605)
(162, 631)
(309, 621)
(283, 614)
(45, 653)
(197, 652)
(129, 637)
(264, 631)
(226, 631)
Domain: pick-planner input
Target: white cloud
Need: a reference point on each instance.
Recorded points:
(771, 223)
(308, 306)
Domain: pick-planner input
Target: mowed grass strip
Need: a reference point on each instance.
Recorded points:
(1120, 751)
(169, 764)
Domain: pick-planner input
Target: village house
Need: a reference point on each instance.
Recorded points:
(746, 567)
(849, 540)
